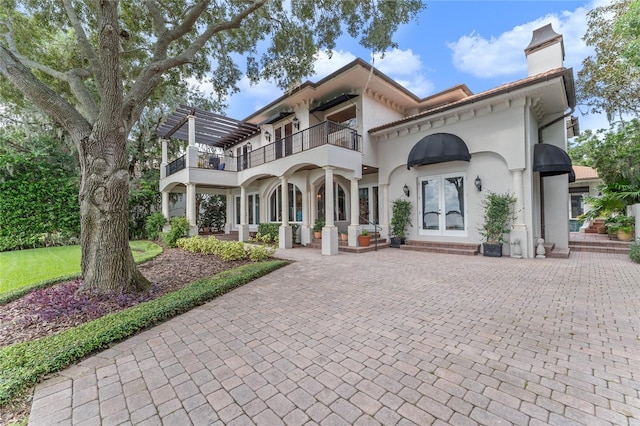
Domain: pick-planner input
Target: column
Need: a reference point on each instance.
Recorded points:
(243, 230)
(165, 209)
(330, 231)
(191, 208)
(192, 149)
(165, 158)
(305, 228)
(284, 232)
(229, 212)
(384, 220)
(354, 226)
(519, 235)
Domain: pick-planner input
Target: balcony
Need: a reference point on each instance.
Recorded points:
(325, 133)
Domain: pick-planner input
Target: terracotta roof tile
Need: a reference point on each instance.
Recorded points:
(585, 173)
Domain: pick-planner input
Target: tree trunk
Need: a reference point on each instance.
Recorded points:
(107, 262)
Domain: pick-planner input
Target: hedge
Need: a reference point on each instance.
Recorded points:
(24, 364)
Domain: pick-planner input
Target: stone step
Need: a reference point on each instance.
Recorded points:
(467, 249)
(599, 248)
(601, 243)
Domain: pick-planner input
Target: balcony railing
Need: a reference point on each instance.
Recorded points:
(325, 133)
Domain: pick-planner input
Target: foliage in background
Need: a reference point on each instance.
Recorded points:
(179, 229)
(154, 224)
(144, 199)
(213, 212)
(268, 233)
(39, 203)
(610, 78)
(24, 364)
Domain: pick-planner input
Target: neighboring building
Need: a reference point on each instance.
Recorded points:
(586, 184)
(356, 140)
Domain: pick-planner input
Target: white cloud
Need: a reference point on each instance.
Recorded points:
(325, 65)
(504, 55)
(406, 68)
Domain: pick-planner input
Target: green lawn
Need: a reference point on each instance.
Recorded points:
(23, 268)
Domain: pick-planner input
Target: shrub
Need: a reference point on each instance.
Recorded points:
(268, 232)
(154, 224)
(634, 251)
(226, 250)
(23, 364)
(179, 229)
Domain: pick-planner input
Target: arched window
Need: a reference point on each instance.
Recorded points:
(295, 204)
(339, 202)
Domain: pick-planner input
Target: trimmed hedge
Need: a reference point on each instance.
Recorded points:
(24, 364)
(634, 251)
(226, 250)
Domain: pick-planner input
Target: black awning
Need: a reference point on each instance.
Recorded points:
(333, 102)
(438, 148)
(572, 176)
(550, 160)
(275, 117)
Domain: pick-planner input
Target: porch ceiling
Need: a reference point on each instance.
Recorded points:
(211, 129)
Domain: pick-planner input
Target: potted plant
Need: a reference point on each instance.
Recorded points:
(344, 236)
(401, 211)
(497, 222)
(364, 239)
(625, 228)
(317, 227)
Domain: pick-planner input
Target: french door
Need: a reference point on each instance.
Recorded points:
(442, 205)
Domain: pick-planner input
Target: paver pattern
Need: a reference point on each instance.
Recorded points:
(388, 337)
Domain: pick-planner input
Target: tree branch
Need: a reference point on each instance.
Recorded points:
(81, 36)
(40, 94)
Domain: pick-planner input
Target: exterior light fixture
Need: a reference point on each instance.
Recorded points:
(230, 153)
(267, 136)
(406, 190)
(478, 183)
(248, 145)
(296, 123)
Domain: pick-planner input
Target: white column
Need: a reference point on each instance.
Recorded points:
(284, 232)
(165, 158)
(243, 230)
(165, 207)
(519, 231)
(229, 220)
(305, 228)
(384, 220)
(191, 208)
(354, 226)
(192, 149)
(330, 231)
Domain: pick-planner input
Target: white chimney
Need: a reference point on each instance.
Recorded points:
(545, 52)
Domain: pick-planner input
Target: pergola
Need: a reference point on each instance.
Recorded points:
(210, 128)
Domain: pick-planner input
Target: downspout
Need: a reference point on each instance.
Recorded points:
(540, 129)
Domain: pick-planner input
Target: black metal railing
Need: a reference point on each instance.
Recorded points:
(326, 133)
(176, 165)
(376, 230)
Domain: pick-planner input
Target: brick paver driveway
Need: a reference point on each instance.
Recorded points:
(390, 337)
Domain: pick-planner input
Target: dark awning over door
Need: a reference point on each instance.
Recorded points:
(438, 148)
(550, 160)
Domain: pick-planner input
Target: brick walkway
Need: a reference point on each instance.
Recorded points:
(389, 337)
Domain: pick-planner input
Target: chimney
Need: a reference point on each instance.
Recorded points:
(545, 52)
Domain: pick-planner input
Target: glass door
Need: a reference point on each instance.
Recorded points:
(442, 205)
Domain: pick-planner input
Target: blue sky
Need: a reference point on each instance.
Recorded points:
(478, 43)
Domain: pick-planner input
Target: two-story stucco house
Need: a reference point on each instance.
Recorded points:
(348, 145)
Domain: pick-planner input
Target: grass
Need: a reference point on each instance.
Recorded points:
(24, 364)
(22, 269)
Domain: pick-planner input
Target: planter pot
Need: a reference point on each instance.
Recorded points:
(317, 235)
(344, 237)
(396, 242)
(492, 250)
(624, 236)
(364, 240)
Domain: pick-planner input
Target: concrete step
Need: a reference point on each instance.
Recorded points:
(599, 248)
(467, 249)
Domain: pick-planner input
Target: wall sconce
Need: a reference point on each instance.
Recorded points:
(230, 153)
(296, 123)
(248, 145)
(478, 183)
(406, 190)
(267, 136)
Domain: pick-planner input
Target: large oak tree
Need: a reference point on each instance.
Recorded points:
(93, 65)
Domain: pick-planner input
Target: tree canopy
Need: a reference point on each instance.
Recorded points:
(609, 81)
(92, 66)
